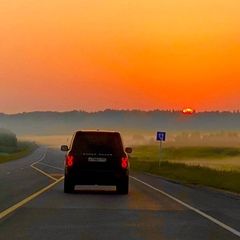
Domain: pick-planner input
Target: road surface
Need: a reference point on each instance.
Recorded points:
(33, 206)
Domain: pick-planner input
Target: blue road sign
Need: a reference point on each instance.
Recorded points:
(161, 136)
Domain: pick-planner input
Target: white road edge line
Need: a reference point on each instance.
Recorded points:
(39, 170)
(42, 157)
(191, 208)
(50, 166)
(39, 162)
(34, 153)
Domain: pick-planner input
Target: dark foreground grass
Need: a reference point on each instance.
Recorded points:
(22, 149)
(144, 160)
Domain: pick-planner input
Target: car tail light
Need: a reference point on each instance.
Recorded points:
(124, 162)
(69, 161)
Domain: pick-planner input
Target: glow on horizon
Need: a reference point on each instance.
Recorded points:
(80, 55)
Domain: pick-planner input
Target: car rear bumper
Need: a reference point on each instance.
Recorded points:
(108, 178)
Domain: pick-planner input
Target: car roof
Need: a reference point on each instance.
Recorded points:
(97, 130)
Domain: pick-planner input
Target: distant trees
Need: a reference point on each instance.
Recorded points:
(7, 138)
(45, 123)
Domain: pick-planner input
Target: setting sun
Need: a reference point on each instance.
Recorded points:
(188, 111)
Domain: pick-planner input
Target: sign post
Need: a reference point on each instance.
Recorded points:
(161, 136)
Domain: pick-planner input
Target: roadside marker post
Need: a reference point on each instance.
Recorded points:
(161, 137)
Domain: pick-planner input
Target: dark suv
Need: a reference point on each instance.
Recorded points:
(96, 158)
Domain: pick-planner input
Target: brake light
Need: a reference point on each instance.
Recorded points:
(124, 162)
(69, 161)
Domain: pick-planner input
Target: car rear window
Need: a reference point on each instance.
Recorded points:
(97, 142)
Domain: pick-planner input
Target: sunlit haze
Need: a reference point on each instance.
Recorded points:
(64, 55)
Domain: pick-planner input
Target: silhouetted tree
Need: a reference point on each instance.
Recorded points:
(7, 138)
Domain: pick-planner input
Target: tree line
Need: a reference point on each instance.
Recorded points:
(7, 138)
(133, 120)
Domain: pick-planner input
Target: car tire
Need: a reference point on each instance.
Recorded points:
(123, 186)
(68, 185)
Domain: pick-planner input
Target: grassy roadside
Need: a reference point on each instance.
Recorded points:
(22, 150)
(145, 159)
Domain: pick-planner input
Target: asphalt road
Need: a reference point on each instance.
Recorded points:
(33, 206)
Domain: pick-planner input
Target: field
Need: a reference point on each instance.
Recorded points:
(219, 158)
(215, 167)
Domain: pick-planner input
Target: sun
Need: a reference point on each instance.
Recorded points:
(188, 111)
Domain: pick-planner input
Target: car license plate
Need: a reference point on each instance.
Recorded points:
(91, 159)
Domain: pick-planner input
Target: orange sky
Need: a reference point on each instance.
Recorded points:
(64, 55)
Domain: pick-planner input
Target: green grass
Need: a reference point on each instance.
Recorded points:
(22, 149)
(145, 159)
(146, 153)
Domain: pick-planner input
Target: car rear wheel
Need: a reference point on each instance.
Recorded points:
(123, 186)
(68, 185)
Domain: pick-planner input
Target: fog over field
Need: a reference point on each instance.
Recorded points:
(135, 140)
(53, 129)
